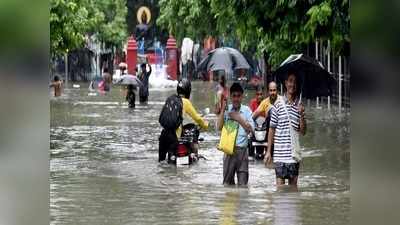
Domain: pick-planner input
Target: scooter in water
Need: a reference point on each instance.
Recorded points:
(258, 142)
(186, 153)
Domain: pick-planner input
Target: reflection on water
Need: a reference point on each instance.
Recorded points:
(229, 208)
(286, 209)
(104, 169)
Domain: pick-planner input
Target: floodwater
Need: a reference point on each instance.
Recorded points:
(104, 168)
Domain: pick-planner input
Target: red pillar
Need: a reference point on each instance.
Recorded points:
(131, 55)
(172, 58)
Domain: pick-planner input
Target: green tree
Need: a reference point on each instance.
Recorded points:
(111, 29)
(68, 24)
(187, 18)
(72, 20)
(275, 28)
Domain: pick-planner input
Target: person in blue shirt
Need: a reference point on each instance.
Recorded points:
(238, 162)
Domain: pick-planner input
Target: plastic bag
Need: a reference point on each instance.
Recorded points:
(228, 137)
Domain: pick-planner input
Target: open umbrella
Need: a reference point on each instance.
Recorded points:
(128, 79)
(223, 58)
(312, 78)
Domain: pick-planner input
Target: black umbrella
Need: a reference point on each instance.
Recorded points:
(223, 58)
(312, 78)
(129, 79)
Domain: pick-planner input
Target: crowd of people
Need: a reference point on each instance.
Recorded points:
(285, 114)
(104, 86)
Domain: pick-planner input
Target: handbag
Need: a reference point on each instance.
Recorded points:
(294, 138)
(228, 137)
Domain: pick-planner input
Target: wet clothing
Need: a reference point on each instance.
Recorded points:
(245, 112)
(281, 123)
(168, 140)
(130, 97)
(286, 170)
(143, 99)
(144, 89)
(237, 163)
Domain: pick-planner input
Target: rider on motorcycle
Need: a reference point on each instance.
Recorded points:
(266, 104)
(168, 142)
(264, 109)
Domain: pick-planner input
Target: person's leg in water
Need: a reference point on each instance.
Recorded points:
(132, 99)
(243, 167)
(168, 143)
(162, 145)
(130, 96)
(294, 175)
(293, 183)
(143, 99)
(229, 169)
(280, 182)
(280, 179)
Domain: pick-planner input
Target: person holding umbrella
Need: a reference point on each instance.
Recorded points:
(131, 81)
(287, 121)
(225, 59)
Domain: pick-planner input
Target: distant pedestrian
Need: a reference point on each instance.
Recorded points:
(255, 102)
(57, 85)
(122, 68)
(130, 95)
(287, 113)
(222, 93)
(144, 88)
(238, 162)
(107, 79)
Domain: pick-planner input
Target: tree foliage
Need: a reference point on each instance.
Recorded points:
(275, 27)
(71, 21)
(187, 18)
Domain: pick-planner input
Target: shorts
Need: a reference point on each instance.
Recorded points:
(286, 170)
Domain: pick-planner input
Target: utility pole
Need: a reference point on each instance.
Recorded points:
(66, 68)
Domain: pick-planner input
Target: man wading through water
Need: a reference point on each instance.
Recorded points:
(238, 162)
(287, 111)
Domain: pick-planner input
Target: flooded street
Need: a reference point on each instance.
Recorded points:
(104, 168)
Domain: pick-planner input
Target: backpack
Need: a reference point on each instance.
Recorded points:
(171, 113)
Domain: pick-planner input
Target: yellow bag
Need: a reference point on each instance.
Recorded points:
(228, 137)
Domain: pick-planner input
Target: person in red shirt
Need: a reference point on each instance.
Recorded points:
(255, 102)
